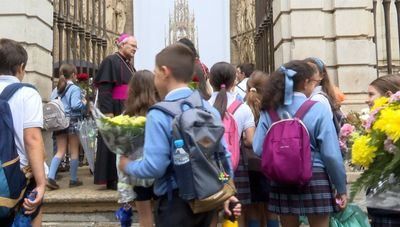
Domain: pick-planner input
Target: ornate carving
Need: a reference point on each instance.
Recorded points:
(242, 30)
(182, 23)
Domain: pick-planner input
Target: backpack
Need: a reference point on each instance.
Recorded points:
(231, 133)
(12, 180)
(54, 117)
(202, 181)
(286, 155)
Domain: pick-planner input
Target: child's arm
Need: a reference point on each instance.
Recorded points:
(259, 135)
(328, 143)
(76, 99)
(156, 154)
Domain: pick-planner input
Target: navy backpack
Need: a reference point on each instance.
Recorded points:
(12, 180)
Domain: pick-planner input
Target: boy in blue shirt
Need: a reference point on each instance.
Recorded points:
(173, 72)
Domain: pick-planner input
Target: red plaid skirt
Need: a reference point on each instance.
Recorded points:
(315, 198)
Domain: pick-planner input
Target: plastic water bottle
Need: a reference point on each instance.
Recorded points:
(183, 171)
(21, 219)
(180, 156)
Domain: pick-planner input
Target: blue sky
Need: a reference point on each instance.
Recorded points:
(151, 25)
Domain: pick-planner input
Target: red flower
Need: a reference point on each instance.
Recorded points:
(195, 78)
(82, 76)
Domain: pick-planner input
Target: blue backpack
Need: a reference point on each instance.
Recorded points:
(12, 180)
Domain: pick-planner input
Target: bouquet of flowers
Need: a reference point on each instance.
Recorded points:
(354, 125)
(377, 149)
(122, 134)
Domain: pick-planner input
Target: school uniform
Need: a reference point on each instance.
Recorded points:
(328, 169)
(27, 112)
(244, 119)
(157, 159)
(73, 106)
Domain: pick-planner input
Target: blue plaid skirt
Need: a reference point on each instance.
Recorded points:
(384, 218)
(71, 130)
(242, 184)
(315, 198)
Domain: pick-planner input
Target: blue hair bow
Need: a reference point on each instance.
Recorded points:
(289, 74)
(319, 63)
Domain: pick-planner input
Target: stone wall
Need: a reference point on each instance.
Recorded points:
(338, 31)
(30, 22)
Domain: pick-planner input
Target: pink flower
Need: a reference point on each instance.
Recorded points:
(371, 119)
(389, 146)
(346, 130)
(395, 97)
(342, 145)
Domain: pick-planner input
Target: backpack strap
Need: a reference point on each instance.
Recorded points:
(304, 109)
(273, 115)
(10, 90)
(234, 106)
(175, 107)
(65, 91)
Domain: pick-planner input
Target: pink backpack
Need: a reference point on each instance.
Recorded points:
(231, 134)
(286, 155)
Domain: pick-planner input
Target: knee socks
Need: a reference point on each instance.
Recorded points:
(272, 223)
(74, 163)
(55, 162)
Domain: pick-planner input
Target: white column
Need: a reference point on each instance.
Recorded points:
(30, 23)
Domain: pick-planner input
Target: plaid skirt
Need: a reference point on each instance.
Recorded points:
(242, 184)
(72, 128)
(383, 218)
(315, 198)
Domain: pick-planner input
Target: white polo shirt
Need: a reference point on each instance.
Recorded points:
(243, 115)
(27, 112)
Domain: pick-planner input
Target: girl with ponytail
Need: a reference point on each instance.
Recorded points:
(222, 79)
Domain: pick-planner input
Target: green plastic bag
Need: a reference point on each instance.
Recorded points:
(352, 216)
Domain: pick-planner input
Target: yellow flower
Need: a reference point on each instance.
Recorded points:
(388, 122)
(362, 153)
(380, 102)
(125, 120)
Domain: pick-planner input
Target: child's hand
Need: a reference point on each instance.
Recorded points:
(236, 210)
(123, 161)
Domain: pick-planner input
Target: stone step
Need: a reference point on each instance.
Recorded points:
(86, 205)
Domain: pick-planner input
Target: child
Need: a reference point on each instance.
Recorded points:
(141, 95)
(173, 72)
(324, 92)
(259, 184)
(71, 97)
(200, 71)
(222, 79)
(286, 90)
(383, 86)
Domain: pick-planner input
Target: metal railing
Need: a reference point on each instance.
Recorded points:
(82, 41)
(387, 8)
(264, 36)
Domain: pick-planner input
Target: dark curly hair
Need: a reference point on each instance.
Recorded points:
(274, 92)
